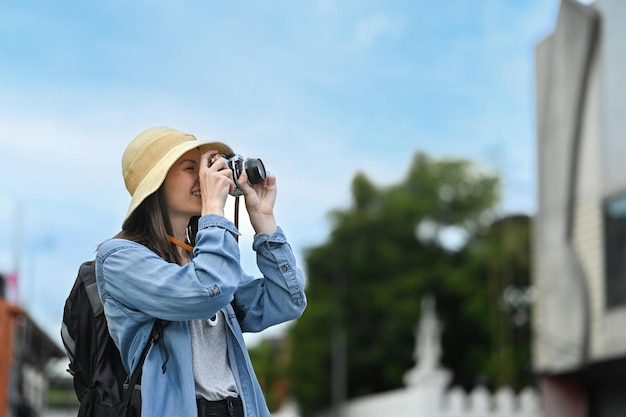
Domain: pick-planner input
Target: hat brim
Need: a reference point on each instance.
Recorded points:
(153, 180)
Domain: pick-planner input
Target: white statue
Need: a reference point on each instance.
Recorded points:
(428, 337)
(427, 370)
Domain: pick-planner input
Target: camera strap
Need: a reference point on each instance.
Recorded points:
(180, 244)
(237, 217)
(192, 229)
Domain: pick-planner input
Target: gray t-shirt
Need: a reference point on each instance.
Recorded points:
(211, 369)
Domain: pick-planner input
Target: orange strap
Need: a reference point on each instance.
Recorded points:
(180, 244)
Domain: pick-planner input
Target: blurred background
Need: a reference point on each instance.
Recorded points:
(449, 173)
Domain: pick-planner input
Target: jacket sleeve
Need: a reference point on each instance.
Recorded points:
(279, 295)
(144, 286)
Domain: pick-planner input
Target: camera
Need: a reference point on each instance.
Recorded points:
(253, 166)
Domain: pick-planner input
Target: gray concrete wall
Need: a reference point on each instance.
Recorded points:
(613, 104)
(561, 308)
(610, 338)
(581, 146)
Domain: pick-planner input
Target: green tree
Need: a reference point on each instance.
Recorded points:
(270, 359)
(501, 258)
(384, 253)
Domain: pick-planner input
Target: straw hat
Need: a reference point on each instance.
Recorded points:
(149, 156)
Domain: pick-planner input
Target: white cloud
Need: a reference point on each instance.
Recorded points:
(328, 7)
(318, 92)
(372, 28)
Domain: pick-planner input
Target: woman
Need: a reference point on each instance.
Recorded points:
(205, 299)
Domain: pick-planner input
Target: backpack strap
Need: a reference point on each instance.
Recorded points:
(155, 336)
(158, 335)
(91, 287)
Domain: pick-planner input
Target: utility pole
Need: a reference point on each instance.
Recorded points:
(11, 277)
(338, 347)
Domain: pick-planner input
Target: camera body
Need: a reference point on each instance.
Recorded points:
(253, 167)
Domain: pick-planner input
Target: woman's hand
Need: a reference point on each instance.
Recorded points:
(260, 200)
(216, 182)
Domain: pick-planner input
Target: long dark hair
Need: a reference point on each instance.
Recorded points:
(150, 226)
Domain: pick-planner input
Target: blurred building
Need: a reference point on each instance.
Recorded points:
(579, 343)
(25, 350)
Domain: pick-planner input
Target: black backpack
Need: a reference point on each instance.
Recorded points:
(101, 383)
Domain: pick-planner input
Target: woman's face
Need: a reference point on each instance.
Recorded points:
(182, 188)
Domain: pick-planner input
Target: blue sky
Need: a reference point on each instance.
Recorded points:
(319, 90)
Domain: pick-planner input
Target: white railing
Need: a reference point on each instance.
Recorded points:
(427, 392)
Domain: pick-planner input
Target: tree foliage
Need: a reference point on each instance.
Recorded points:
(270, 359)
(386, 251)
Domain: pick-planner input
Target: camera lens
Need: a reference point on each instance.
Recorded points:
(255, 169)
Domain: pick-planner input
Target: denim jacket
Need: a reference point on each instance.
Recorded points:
(137, 286)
